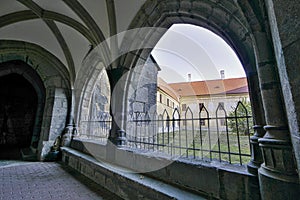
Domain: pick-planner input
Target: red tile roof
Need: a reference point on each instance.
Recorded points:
(211, 87)
(164, 86)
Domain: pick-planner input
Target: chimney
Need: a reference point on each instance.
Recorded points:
(222, 74)
(189, 77)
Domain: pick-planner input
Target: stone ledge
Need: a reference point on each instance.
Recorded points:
(211, 179)
(121, 181)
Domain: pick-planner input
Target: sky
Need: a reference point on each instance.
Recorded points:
(188, 49)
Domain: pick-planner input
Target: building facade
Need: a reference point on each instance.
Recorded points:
(213, 95)
(217, 97)
(167, 99)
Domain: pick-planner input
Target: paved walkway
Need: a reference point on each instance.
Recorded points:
(46, 180)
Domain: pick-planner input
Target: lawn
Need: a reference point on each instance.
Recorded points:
(187, 143)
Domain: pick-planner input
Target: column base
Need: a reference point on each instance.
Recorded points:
(278, 178)
(68, 134)
(120, 139)
(252, 167)
(278, 186)
(256, 155)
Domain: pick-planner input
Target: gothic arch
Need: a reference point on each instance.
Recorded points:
(234, 22)
(226, 19)
(223, 18)
(22, 69)
(244, 31)
(84, 85)
(42, 70)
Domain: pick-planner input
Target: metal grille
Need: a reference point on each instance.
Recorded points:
(96, 129)
(222, 137)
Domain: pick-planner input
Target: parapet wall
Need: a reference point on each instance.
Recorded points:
(203, 179)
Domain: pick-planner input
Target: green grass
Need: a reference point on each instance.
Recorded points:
(189, 142)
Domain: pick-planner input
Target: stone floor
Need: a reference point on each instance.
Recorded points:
(46, 180)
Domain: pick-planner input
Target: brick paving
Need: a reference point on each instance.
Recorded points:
(47, 180)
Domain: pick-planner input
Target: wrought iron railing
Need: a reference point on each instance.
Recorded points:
(223, 137)
(96, 129)
(205, 135)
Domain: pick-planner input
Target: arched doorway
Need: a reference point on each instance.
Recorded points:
(18, 106)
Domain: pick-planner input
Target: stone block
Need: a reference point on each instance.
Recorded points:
(264, 51)
(142, 94)
(203, 179)
(150, 6)
(99, 178)
(138, 107)
(233, 185)
(287, 18)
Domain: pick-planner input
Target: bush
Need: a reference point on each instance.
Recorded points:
(240, 119)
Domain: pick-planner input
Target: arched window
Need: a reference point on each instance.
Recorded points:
(200, 68)
(98, 122)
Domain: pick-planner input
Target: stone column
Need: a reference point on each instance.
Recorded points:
(258, 121)
(117, 134)
(283, 18)
(70, 128)
(277, 175)
(118, 83)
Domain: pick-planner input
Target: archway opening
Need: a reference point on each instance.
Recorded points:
(95, 119)
(18, 106)
(203, 108)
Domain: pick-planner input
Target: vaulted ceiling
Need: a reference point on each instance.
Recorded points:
(65, 28)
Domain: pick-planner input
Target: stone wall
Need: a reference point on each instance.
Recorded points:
(57, 116)
(51, 81)
(142, 93)
(96, 108)
(201, 178)
(142, 96)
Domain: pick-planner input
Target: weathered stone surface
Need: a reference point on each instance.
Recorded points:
(124, 182)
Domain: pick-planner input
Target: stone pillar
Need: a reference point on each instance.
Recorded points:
(56, 116)
(118, 84)
(283, 18)
(70, 128)
(258, 121)
(277, 175)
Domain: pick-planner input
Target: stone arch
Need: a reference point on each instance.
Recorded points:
(233, 21)
(84, 87)
(245, 31)
(223, 18)
(22, 69)
(95, 107)
(226, 19)
(55, 79)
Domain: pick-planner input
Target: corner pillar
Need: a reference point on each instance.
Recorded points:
(283, 18)
(277, 175)
(278, 178)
